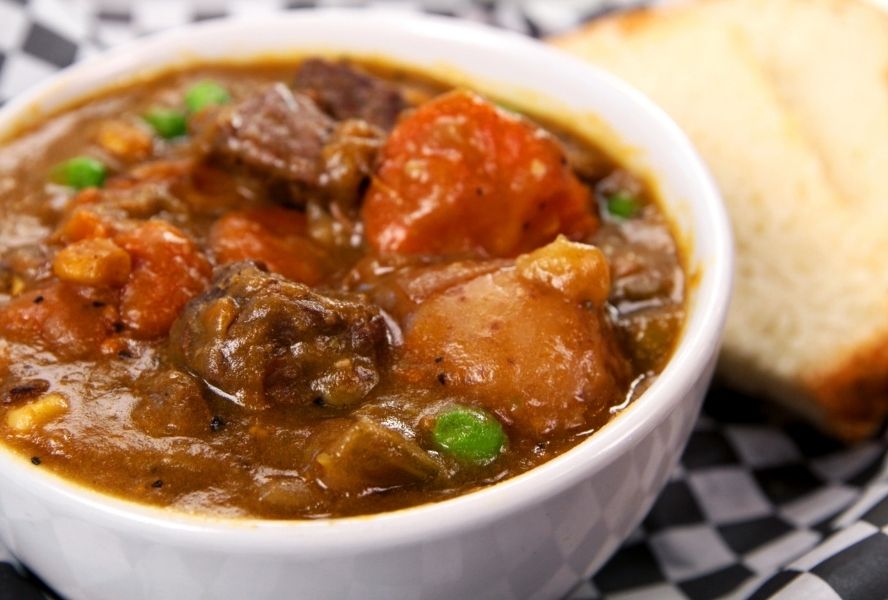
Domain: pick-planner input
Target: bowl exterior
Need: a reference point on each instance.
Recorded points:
(535, 535)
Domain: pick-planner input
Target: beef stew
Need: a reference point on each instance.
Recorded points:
(319, 289)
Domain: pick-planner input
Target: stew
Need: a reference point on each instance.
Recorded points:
(321, 288)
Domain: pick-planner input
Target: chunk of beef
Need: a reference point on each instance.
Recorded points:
(170, 403)
(274, 132)
(348, 161)
(359, 455)
(349, 93)
(260, 339)
(282, 137)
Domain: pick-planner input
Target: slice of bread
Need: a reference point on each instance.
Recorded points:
(809, 323)
(828, 60)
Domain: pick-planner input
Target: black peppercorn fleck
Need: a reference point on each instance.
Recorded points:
(216, 423)
(157, 484)
(38, 299)
(35, 460)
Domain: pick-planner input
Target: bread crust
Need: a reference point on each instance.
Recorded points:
(854, 395)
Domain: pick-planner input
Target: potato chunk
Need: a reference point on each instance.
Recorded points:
(93, 262)
(538, 360)
(35, 414)
(579, 271)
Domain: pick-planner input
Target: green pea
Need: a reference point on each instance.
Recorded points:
(80, 172)
(622, 205)
(469, 434)
(204, 94)
(167, 122)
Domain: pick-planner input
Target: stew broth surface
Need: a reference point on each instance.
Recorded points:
(129, 366)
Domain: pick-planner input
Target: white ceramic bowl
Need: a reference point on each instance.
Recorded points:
(534, 535)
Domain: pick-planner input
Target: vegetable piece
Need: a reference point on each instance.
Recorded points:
(82, 224)
(274, 236)
(541, 364)
(167, 122)
(124, 140)
(460, 175)
(622, 205)
(205, 93)
(80, 172)
(168, 270)
(70, 321)
(93, 262)
(579, 271)
(37, 413)
(17, 286)
(469, 434)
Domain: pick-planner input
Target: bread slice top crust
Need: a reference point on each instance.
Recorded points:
(809, 322)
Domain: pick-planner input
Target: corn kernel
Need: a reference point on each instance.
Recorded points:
(18, 285)
(37, 413)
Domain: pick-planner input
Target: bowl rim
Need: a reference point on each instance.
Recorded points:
(698, 343)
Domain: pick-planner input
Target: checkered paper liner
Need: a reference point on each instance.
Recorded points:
(762, 506)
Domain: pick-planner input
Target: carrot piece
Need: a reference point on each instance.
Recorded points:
(461, 175)
(83, 224)
(274, 236)
(167, 271)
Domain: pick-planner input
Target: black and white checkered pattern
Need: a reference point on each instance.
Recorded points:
(757, 504)
(762, 506)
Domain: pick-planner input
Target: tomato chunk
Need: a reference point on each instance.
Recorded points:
(167, 271)
(272, 235)
(461, 175)
(68, 320)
